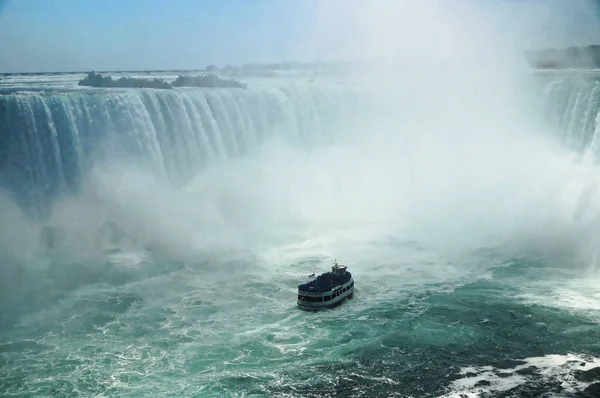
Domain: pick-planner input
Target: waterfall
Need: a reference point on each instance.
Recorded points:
(571, 109)
(50, 140)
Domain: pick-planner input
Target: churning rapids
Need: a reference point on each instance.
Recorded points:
(151, 241)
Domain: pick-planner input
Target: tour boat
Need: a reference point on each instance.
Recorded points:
(326, 290)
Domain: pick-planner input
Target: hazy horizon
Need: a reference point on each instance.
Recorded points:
(41, 36)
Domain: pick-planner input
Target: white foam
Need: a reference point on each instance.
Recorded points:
(131, 259)
(580, 296)
(547, 368)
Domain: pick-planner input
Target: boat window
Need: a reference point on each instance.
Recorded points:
(327, 298)
(311, 299)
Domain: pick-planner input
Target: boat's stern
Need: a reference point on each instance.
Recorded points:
(310, 301)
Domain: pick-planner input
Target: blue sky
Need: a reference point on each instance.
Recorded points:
(47, 35)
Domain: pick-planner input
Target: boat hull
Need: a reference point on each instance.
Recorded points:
(323, 305)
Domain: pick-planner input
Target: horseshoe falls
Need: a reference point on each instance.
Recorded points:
(152, 241)
(52, 138)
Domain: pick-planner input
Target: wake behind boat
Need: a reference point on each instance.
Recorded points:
(327, 290)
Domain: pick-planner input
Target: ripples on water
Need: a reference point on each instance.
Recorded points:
(149, 328)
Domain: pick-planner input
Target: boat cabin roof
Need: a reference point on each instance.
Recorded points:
(327, 281)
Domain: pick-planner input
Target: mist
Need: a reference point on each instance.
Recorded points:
(451, 153)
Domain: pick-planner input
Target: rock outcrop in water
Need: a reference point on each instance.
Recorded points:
(568, 58)
(209, 80)
(97, 80)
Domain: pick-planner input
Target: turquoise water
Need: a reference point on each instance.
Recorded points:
(154, 242)
(414, 328)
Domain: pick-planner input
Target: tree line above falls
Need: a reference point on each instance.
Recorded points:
(567, 58)
(208, 80)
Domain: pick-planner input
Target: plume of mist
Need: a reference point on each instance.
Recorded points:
(453, 156)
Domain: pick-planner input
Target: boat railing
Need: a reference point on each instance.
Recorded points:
(304, 293)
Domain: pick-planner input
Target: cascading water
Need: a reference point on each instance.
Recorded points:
(573, 105)
(51, 140)
(152, 240)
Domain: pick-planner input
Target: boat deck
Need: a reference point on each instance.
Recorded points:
(326, 282)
